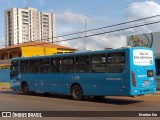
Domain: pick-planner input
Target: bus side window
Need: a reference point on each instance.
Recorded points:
(33, 66)
(115, 63)
(24, 66)
(44, 65)
(68, 64)
(82, 64)
(98, 63)
(55, 65)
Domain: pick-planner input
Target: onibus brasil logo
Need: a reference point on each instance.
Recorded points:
(141, 40)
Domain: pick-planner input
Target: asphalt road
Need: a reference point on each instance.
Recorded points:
(15, 101)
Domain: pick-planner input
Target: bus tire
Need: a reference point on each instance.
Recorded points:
(25, 88)
(76, 92)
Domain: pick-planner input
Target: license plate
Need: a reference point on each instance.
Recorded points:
(146, 82)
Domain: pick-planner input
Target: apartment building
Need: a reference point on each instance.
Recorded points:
(28, 24)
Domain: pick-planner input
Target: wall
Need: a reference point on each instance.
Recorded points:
(4, 75)
(64, 51)
(14, 54)
(36, 51)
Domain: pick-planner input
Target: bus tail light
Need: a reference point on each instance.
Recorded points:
(150, 73)
(133, 79)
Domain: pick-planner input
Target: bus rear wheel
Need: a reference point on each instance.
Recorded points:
(25, 88)
(77, 93)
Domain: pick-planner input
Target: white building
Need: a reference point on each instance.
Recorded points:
(25, 25)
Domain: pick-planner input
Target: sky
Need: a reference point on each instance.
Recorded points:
(74, 16)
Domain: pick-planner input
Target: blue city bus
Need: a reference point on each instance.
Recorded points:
(113, 72)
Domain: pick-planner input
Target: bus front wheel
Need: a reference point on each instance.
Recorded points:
(25, 88)
(76, 92)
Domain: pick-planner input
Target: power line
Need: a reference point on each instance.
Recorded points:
(111, 8)
(105, 32)
(130, 33)
(109, 26)
(110, 31)
(136, 26)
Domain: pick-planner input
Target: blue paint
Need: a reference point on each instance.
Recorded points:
(4, 75)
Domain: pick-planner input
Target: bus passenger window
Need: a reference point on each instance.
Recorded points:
(24, 66)
(98, 63)
(55, 65)
(44, 65)
(33, 66)
(68, 65)
(115, 63)
(82, 64)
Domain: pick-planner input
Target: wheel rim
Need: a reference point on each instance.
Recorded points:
(25, 89)
(76, 93)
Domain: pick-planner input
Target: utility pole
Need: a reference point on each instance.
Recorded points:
(26, 3)
(85, 34)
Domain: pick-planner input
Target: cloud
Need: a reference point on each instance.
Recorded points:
(72, 17)
(139, 10)
(134, 11)
(65, 29)
(142, 9)
(105, 41)
(96, 42)
(79, 19)
(92, 43)
(63, 43)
